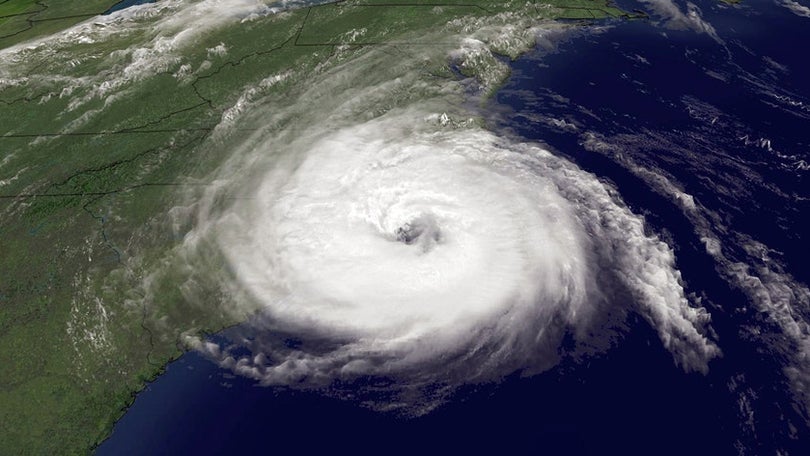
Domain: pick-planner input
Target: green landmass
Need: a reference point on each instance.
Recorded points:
(88, 181)
(23, 20)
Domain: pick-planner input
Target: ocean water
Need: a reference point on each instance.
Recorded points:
(725, 119)
(123, 4)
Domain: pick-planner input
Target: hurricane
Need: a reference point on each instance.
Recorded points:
(561, 227)
(419, 247)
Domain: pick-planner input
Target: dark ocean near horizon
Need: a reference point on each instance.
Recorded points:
(726, 117)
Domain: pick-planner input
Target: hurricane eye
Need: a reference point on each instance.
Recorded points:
(408, 234)
(423, 231)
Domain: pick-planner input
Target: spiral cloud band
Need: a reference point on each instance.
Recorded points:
(408, 248)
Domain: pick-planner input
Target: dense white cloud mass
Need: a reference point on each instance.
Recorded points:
(410, 248)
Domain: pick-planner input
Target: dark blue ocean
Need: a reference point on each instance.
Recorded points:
(123, 4)
(727, 118)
